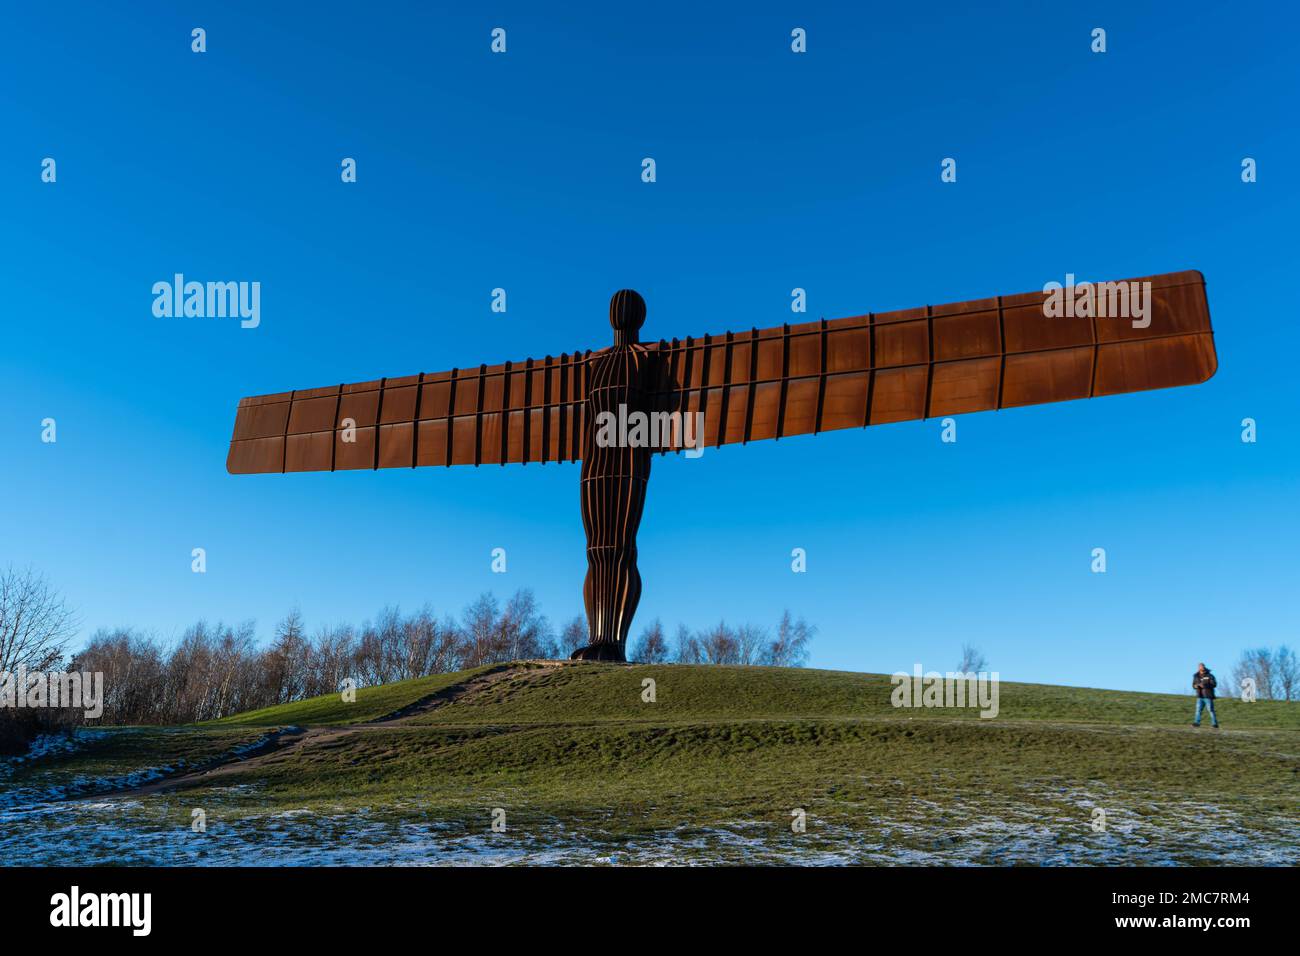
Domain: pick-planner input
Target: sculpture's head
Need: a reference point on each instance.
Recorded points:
(626, 315)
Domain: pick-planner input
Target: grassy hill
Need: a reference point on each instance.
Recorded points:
(535, 693)
(714, 768)
(371, 703)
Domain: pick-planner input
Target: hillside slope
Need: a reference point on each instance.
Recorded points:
(540, 693)
(582, 768)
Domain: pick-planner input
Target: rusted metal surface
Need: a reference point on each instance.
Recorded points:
(819, 376)
(870, 369)
(932, 361)
(614, 478)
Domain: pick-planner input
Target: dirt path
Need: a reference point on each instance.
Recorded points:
(468, 690)
(290, 740)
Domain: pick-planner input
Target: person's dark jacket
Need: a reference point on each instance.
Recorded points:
(1204, 684)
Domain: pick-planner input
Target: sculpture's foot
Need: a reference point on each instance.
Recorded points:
(602, 651)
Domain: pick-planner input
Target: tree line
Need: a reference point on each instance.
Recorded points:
(215, 670)
(1276, 673)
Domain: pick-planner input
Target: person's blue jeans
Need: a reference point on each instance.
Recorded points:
(1206, 703)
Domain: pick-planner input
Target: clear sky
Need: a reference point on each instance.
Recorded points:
(775, 170)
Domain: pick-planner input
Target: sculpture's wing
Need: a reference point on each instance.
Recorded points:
(937, 360)
(765, 383)
(493, 414)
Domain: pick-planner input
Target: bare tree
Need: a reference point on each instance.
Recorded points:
(525, 633)
(1257, 664)
(235, 672)
(333, 660)
(382, 653)
(1276, 673)
(1287, 672)
(134, 672)
(972, 660)
(688, 646)
(481, 629)
(573, 636)
(719, 645)
(444, 646)
(789, 648)
(286, 664)
(651, 648)
(751, 644)
(35, 622)
(35, 627)
(417, 637)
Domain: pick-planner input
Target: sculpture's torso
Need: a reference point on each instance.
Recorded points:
(616, 383)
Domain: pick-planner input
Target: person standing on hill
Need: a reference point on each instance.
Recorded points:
(1203, 683)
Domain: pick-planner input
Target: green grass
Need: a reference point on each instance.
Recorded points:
(104, 757)
(331, 710)
(576, 750)
(608, 692)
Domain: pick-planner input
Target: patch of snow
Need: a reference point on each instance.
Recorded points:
(145, 831)
(84, 785)
(44, 745)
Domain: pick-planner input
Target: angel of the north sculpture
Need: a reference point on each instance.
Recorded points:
(1080, 341)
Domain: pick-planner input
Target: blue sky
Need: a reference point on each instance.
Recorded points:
(775, 170)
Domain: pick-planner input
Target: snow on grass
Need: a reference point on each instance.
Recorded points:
(54, 786)
(44, 745)
(148, 831)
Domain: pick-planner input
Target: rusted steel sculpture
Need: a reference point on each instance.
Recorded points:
(614, 476)
(786, 380)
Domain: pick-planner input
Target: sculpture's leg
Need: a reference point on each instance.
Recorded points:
(611, 514)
